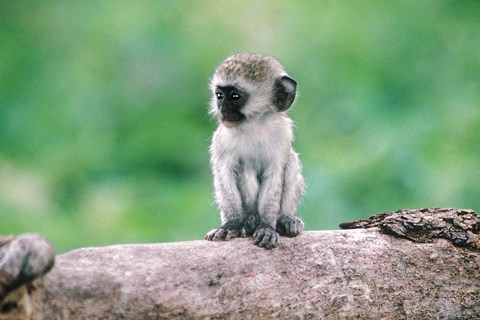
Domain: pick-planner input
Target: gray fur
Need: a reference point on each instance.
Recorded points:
(256, 173)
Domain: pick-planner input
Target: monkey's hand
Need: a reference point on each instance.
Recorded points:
(224, 234)
(266, 237)
(289, 226)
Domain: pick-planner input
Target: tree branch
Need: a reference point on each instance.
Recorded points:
(344, 274)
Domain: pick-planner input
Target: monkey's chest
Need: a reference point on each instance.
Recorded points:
(250, 152)
(257, 150)
(253, 162)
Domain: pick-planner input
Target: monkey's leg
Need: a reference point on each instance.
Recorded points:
(229, 202)
(287, 223)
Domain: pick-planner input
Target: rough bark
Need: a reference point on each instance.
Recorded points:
(22, 259)
(344, 274)
(459, 226)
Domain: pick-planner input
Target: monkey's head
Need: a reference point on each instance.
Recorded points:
(247, 86)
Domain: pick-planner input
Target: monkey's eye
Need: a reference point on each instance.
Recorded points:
(235, 96)
(219, 95)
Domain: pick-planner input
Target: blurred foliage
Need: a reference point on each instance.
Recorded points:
(104, 130)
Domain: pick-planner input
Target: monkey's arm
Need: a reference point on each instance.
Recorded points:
(280, 194)
(269, 207)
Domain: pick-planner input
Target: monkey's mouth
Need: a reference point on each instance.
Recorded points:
(231, 120)
(231, 123)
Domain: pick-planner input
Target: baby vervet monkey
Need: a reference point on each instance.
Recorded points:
(256, 173)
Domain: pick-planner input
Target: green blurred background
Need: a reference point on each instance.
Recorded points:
(104, 130)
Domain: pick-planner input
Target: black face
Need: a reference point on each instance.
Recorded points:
(230, 102)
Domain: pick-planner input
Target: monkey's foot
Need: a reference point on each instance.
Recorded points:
(266, 237)
(224, 234)
(250, 225)
(289, 226)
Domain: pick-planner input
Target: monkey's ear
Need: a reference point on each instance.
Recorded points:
(284, 91)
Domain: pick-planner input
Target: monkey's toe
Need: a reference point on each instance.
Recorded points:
(289, 226)
(222, 234)
(211, 234)
(266, 238)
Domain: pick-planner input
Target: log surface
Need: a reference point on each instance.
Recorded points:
(344, 274)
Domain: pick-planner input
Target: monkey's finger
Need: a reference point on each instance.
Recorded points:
(258, 236)
(215, 235)
(232, 234)
(270, 240)
(220, 235)
(209, 236)
(299, 226)
(273, 243)
(266, 238)
(294, 227)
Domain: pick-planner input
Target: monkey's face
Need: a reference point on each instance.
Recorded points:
(230, 102)
(246, 87)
